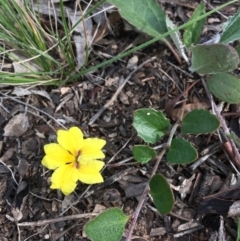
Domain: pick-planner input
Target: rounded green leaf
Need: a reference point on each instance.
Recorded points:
(143, 154)
(199, 122)
(108, 226)
(214, 58)
(161, 193)
(225, 86)
(181, 152)
(150, 124)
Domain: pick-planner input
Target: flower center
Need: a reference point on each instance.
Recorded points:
(77, 164)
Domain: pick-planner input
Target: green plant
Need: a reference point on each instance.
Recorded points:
(40, 47)
(34, 47)
(161, 35)
(179, 150)
(108, 226)
(56, 71)
(214, 60)
(24, 40)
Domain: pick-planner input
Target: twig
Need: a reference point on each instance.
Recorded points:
(116, 154)
(106, 183)
(146, 190)
(236, 158)
(35, 234)
(226, 130)
(33, 107)
(45, 199)
(159, 158)
(181, 70)
(19, 233)
(202, 159)
(42, 119)
(171, 104)
(188, 231)
(180, 217)
(54, 220)
(109, 103)
(123, 162)
(228, 157)
(229, 150)
(213, 8)
(111, 180)
(174, 82)
(59, 235)
(10, 171)
(174, 52)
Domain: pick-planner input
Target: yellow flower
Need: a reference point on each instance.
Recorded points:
(73, 159)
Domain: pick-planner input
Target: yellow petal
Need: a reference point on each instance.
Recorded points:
(91, 149)
(71, 140)
(89, 171)
(91, 178)
(90, 167)
(56, 156)
(65, 178)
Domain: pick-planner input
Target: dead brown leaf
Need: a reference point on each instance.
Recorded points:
(17, 126)
(189, 107)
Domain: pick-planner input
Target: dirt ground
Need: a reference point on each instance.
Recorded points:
(28, 120)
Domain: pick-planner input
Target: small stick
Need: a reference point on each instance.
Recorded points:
(109, 103)
(213, 8)
(188, 231)
(54, 220)
(174, 82)
(229, 150)
(33, 107)
(146, 190)
(171, 104)
(236, 158)
(202, 159)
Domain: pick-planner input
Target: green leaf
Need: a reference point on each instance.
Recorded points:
(214, 58)
(181, 152)
(199, 122)
(161, 193)
(192, 32)
(150, 124)
(176, 38)
(108, 226)
(146, 15)
(225, 86)
(143, 154)
(231, 31)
